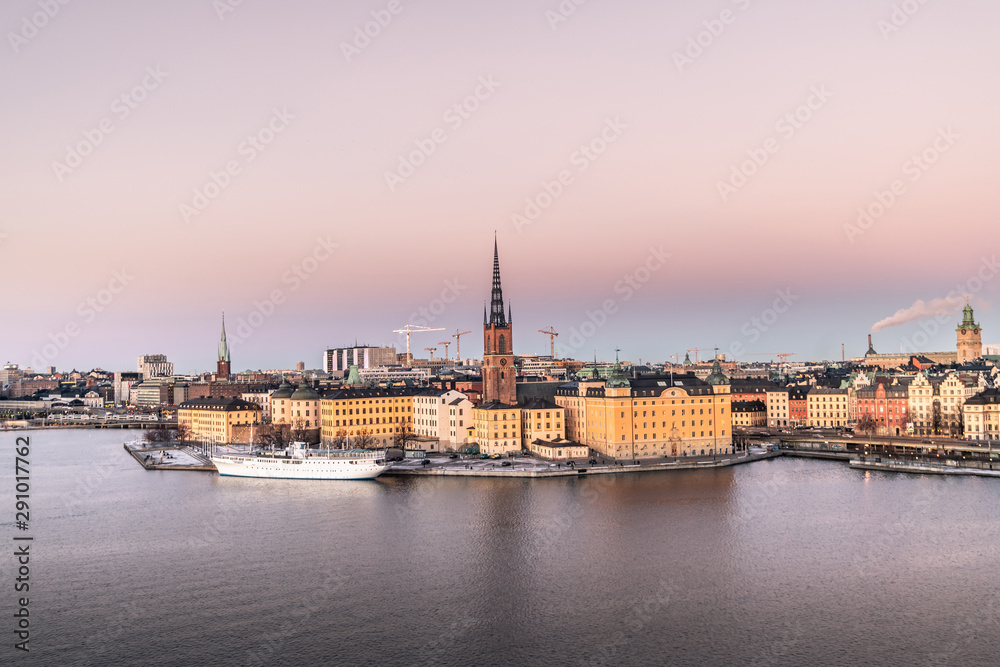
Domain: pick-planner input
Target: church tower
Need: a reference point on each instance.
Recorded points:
(969, 335)
(222, 366)
(499, 376)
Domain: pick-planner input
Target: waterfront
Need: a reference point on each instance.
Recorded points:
(784, 562)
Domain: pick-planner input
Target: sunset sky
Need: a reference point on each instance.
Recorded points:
(163, 162)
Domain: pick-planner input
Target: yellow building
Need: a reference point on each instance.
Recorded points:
(218, 420)
(296, 406)
(497, 428)
(981, 415)
(650, 417)
(354, 413)
(541, 420)
(826, 407)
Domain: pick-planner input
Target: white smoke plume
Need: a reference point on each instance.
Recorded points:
(920, 309)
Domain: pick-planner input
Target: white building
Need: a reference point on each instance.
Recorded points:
(443, 414)
(154, 365)
(124, 381)
(397, 374)
(364, 357)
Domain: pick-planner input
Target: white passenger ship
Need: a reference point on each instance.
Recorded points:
(297, 462)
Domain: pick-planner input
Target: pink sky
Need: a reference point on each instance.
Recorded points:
(679, 133)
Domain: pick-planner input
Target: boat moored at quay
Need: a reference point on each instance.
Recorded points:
(298, 462)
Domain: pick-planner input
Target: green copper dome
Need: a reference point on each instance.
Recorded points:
(716, 376)
(617, 378)
(283, 391)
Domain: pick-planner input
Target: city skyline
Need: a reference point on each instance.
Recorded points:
(598, 147)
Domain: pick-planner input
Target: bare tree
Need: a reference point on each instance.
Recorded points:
(183, 432)
(275, 436)
(299, 432)
(403, 439)
(866, 424)
(365, 439)
(339, 440)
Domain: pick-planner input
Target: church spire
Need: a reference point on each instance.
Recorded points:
(223, 345)
(497, 316)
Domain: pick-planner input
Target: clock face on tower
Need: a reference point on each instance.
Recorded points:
(963, 331)
(975, 331)
(503, 362)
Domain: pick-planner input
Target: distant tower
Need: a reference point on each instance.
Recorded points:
(969, 335)
(222, 367)
(499, 376)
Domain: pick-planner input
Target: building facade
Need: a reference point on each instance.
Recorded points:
(777, 408)
(154, 365)
(826, 407)
(364, 357)
(650, 416)
(218, 420)
(981, 415)
(350, 416)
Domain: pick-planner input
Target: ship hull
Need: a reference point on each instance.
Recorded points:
(310, 468)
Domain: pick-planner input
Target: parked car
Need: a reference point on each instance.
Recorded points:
(425, 462)
(505, 463)
(453, 456)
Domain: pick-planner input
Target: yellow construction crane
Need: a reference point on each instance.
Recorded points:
(458, 342)
(781, 355)
(552, 340)
(432, 350)
(412, 328)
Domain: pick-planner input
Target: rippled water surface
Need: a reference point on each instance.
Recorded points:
(782, 562)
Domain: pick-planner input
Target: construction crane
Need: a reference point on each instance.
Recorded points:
(781, 355)
(446, 343)
(411, 328)
(702, 349)
(432, 350)
(458, 342)
(552, 340)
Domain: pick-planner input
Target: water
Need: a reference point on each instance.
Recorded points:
(782, 562)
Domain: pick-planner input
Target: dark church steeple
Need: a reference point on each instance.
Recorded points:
(497, 316)
(499, 374)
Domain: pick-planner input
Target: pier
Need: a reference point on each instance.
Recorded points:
(170, 457)
(532, 467)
